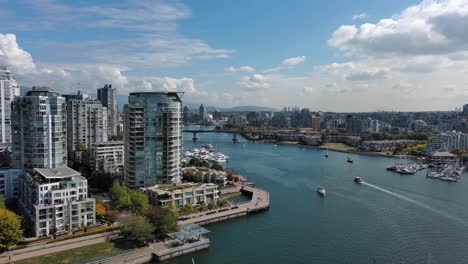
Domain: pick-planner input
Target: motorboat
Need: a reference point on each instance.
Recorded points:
(207, 146)
(357, 179)
(349, 159)
(321, 190)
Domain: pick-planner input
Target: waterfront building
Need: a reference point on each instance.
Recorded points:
(9, 89)
(345, 139)
(56, 201)
(86, 122)
(189, 193)
(202, 112)
(108, 156)
(108, 97)
(39, 130)
(153, 138)
(385, 145)
(9, 183)
(311, 140)
(447, 142)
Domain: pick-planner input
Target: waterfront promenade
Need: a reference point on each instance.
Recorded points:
(40, 250)
(260, 201)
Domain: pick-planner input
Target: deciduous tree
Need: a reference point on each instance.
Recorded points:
(10, 229)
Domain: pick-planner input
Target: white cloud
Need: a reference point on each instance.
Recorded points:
(149, 84)
(287, 63)
(254, 82)
(240, 69)
(293, 61)
(431, 27)
(360, 16)
(148, 35)
(11, 55)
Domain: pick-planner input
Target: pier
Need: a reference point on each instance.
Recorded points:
(260, 202)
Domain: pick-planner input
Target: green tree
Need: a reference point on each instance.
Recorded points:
(2, 202)
(163, 219)
(139, 202)
(120, 196)
(187, 209)
(212, 205)
(173, 209)
(217, 167)
(222, 202)
(137, 228)
(10, 229)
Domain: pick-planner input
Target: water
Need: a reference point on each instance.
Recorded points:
(392, 218)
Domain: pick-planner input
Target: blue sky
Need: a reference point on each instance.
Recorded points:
(326, 55)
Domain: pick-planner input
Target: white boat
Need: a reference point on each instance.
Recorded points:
(207, 146)
(321, 190)
(349, 159)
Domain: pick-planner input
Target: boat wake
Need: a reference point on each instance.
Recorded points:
(427, 207)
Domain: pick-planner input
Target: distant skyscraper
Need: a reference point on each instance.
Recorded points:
(39, 128)
(8, 90)
(202, 112)
(108, 97)
(465, 109)
(152, 139)
(86, 122)
(186, 114)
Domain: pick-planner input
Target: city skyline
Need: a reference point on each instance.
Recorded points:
(405, 56)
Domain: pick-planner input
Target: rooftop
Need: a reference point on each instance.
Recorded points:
(57, 173)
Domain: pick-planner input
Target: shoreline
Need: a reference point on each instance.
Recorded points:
(357, 152)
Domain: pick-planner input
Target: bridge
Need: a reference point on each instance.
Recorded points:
(255, 134)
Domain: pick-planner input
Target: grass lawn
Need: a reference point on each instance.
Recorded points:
(81, 254)
(338, 146)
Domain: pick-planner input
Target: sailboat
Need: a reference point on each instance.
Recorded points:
(326, 153)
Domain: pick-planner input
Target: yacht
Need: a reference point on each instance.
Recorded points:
(321, 190)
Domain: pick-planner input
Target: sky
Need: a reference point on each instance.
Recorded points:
(327, 55)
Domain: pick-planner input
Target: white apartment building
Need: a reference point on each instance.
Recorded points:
(190, 193)
(86, 122)
(108, 156)
(8, 90)
(447, 142)
(39, 130)
(56, 201)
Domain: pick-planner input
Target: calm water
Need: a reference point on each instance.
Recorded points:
(392, 218)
